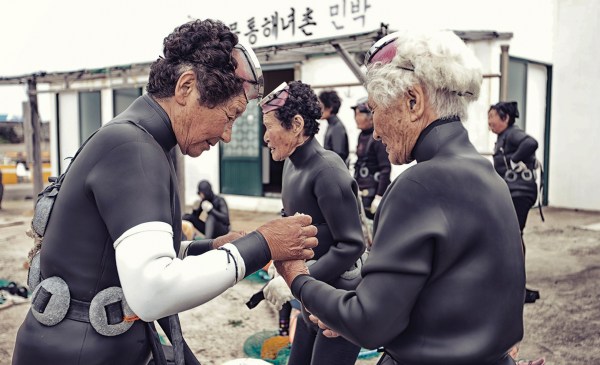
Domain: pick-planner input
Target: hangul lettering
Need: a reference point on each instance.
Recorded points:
(252, 31)
(356, 9)
(233, 27)
(307, 20)
(334, 11)
(291, 21)
(270, 25)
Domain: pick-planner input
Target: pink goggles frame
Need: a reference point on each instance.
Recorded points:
(384, 51)
(276, 98)
(249, 70)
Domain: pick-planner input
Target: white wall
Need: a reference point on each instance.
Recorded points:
(106, 105)
(332, 70)
(204, 167)
(68, 128)
(554, 31)
(574, 174)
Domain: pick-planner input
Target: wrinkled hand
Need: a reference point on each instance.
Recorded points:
(375, 204)
(290, 238)
(207, 206)
(327, 332)
(277, 292)
(518, 166)
(227, 238)
(290, 269)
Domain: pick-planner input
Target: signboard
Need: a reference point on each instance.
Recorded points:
(296, 23)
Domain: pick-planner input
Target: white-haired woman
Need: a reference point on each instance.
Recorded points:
(445, 279)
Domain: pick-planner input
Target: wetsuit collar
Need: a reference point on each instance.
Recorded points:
(304, 152)
(506, 131)
(426, 148)
(333, 119)
(159, 126)
(367, 131)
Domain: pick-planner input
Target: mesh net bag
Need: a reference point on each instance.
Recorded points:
(268, 346)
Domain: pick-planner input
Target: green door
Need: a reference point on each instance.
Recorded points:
(241, 158)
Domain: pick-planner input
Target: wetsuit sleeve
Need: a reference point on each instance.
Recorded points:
(253, 248)
(526, 146)
(408, 225)
(221, 211)
(384, 166)
(197, 247)
(335, 189)
(157, 284)
(130, 186)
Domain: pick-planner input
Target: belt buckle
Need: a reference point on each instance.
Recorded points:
(51, 300)
(99, 312)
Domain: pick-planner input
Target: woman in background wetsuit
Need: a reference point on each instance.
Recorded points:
(515, 162)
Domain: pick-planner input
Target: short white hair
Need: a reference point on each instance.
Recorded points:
(443, 64)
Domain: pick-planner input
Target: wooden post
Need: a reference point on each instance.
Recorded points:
(34, 118)
(504, 72)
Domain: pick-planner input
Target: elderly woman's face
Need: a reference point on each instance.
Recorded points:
(282, 142)
(496, 124)
(393, 127)
(364, 121)
(198, 127)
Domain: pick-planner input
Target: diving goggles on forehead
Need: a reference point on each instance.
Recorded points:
(276, 98)
(384, 51)
(249, 70)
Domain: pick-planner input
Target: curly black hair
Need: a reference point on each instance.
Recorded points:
(302, 100)
(330, 99)
(505, 108)
(204, 46)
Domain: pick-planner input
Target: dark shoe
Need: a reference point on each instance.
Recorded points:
(531, 296)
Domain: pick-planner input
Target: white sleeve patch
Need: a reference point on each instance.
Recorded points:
(156, 283)
(145, 227)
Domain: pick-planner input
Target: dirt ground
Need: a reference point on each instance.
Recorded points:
(563, 262)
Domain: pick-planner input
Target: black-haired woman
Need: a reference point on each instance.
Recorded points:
(515, 161)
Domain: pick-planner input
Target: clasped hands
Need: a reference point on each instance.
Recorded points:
(289, 238)
(289, 268)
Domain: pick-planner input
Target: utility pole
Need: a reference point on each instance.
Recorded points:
(504, 72)
(32, 116)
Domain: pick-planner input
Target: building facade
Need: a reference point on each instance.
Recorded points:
(547, 75)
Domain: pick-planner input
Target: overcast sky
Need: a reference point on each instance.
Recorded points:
(65, 35)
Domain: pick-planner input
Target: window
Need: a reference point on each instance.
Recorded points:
(122, 98)
(90, 115)
(517, 88)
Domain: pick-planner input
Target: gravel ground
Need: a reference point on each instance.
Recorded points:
(563, 262)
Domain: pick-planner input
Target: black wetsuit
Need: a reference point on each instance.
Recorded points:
(317, 183)
(513, 144)
(445, 281)
(336, 138)
(217, 221)
(123, 177)
(372, 169)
